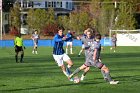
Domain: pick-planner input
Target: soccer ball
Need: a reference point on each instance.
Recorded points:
(76, 79)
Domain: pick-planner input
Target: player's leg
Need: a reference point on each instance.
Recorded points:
(59, 60)
(34, 48)
(77, 70)
(83, 47)
(36, 45)
(22, 55)
(16, 53)
(107, 75)
(67, 46)
(84, 73)
(69, 62)
(16, 57)
(71, 48)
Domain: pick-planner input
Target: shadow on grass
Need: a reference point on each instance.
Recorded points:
(55, 86)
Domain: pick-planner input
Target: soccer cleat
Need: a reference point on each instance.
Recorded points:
(82, 77)
(36, 52)
(71, 53)
(114, 82)
(71, 79)
(114, 51)
(33, 52)
(70, 76)
(106, 79)
(78, 55)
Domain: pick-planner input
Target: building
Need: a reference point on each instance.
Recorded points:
(61, 7)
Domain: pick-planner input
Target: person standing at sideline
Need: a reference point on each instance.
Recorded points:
(35, 37)
(18, 44)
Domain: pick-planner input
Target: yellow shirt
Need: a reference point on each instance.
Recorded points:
(18, 41)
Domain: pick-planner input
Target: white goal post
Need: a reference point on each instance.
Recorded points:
(127, 37)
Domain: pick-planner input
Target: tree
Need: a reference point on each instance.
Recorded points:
(125, 18)
(64, 21)
(51, 16)
(15, 16)
(37, 19)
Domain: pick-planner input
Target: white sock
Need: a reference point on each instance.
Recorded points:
(66, 51)
(80, 52)
(71, 50)
(65, 73)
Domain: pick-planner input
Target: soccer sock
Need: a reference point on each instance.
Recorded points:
(108, 76)
(35, 48)
(84, 73)
(80, 52)
(22, 55)
(76, 71)
(66, 51)
(16, 57)
(71, 50)
(65, 73)
(103, 73)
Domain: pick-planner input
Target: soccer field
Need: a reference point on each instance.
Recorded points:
(40, 74)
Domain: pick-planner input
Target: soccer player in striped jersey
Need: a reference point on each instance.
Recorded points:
(58, 52)
(18, 44)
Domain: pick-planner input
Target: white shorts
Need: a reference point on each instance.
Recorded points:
(60, 58)
(69, 43)
(83, 46)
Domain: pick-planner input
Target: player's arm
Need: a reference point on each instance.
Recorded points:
(32, 37)
(15, 41)
(56, 39)
(95, 55)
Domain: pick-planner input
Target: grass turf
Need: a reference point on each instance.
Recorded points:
(40, 74)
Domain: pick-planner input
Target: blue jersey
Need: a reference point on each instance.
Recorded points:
(58, 45)
(69, 35)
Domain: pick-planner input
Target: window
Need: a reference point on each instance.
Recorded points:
(49, 4)
(54, 4)
(46, 4)
(66, 5)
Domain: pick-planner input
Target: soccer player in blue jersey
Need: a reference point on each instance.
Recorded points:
(59, 54)
(35, 38)
(69, 42)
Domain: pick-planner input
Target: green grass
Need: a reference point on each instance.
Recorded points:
(40, 74)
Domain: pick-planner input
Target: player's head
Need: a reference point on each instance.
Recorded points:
(60, 31)
(98, 37)
(69, 31)
(36, 31)
(88, 33)
(114, 35)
